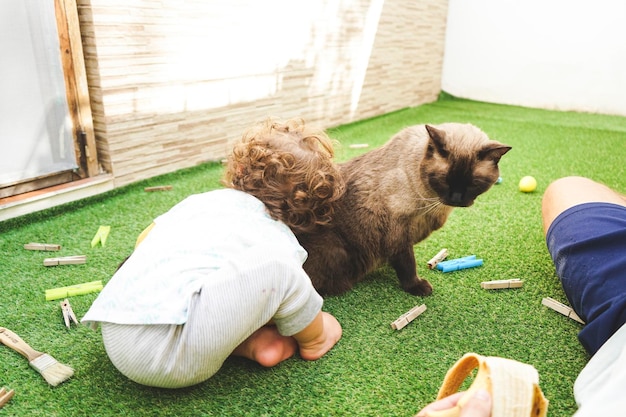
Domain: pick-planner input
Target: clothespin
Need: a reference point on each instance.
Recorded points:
(158, 188)
(440, 265)
(5, 396)
(65, 260)
(561, 308)
(408, 317)
(358, 145)
(440, 256)
(68, 313)
(459, 263)
(42, 246)
(79, 289)
(101, 236)
(502, 283)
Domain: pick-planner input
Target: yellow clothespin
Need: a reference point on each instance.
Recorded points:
(68, 313)
(72, 290)
(101, 236)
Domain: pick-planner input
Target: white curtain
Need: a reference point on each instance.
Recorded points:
(35, 126)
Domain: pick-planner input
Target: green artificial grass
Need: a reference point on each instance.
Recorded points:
(374, 370)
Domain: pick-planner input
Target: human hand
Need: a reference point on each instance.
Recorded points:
(478, 405)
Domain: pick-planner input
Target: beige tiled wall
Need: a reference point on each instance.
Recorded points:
(172, 82)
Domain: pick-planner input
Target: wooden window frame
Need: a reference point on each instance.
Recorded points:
(77, 93)
(77, 89)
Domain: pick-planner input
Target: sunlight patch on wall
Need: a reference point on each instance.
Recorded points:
(352, 24)
(241, 52)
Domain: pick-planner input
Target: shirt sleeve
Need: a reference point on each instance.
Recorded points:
(300, 305)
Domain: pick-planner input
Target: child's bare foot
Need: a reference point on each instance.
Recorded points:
(317, 347)
(267, 347)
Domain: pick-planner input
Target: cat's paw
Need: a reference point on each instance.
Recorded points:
(420, 287)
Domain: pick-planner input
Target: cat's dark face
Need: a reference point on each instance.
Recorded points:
(459, 169)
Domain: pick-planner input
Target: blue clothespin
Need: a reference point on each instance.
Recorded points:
(460, 263)
(449, 262)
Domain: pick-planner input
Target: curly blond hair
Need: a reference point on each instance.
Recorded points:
(289, 168)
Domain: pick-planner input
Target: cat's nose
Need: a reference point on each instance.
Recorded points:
(456, 197)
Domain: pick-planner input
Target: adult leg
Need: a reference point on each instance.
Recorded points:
(585, 225)
(568, 192)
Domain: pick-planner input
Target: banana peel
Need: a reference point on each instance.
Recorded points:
(514, 387)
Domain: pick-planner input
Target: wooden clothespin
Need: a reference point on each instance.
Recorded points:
(5, 396)
(502, 283)
(158, 188)
(408, 317)
(68, 313)
(101, 236)
(561, 308)
(42, 246)
(440, 256)
(65, 260)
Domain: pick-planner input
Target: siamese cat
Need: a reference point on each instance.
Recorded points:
(396, 196)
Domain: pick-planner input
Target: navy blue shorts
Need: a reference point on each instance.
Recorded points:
(588, 245)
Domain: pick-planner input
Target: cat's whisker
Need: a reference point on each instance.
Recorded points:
(422, 196)
(431, 207)
(429, 204)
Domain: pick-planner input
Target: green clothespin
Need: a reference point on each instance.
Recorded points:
(101, 236)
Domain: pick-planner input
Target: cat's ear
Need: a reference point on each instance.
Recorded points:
(437, 138)
(493, 151)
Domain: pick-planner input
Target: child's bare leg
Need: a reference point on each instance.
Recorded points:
(267, 347)
(318, 337)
